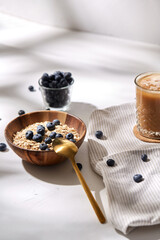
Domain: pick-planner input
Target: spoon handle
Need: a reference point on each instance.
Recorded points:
(88, 192)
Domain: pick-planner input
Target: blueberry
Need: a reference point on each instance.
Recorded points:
(53, 84)
(59, 135)
(37, 137)
(43, 146)
(41, 129)
(48, 140)
(110, 162)
(50, 126)
(67, 75)
(45, 76)
(79, 165)
(3, 147)
(72, 140)
(144, 157)
(48, 109)
(99, 134)
(70, 81)
(52, 135)
(21, 112)
(56, 122)
(29, 134)
(58, 73)
(58, 77)
(63, 83)
(69, 136)
(45, 83)
(137, 178)
(52, 77)
(31, 88)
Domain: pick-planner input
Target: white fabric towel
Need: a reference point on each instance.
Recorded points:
(131, 204)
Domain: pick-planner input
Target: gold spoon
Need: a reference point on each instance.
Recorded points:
(68, 149)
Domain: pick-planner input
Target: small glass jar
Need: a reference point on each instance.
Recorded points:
(148, 104)
(56, 98)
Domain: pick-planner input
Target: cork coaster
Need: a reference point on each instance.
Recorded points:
(144, 139)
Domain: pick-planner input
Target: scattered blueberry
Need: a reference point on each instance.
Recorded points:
(137, 178)
(59, 135)
(56, 122)
(31, 88)
(52, 135)
(29, 134)
(72, 140)
(50, 126)
(48, 109)
(110, 162)
(79, 165)
(48, 140)
(37, 137)
(21, 112)
(3, 147)
(40, 129)
(144, 157)
(43, 146)
(69, 136)
(99, 134)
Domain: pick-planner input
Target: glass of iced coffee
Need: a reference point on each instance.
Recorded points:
(148, 104)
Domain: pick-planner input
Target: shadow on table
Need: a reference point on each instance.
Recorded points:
(63, 173)
(147, 233)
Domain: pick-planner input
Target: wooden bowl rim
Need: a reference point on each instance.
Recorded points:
(45, 111)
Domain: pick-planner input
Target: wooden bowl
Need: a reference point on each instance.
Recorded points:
(42, 157)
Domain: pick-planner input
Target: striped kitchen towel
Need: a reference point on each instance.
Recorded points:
(131, 204)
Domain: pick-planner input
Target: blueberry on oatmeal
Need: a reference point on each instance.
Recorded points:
(40, 129)
(52, 135)
(48, 140)
(43, 146)
(69, 136)
(59, 135)
(29, 134)
(37, 138)
(50, 126)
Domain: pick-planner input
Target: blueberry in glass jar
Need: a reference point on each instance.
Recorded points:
(56, 89)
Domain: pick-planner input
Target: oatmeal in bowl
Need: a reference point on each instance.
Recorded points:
(40, 135)
(31, 135)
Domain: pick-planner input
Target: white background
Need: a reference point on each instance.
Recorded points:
(130, 19)
(49, 203)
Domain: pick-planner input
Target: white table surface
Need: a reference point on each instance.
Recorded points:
(43, 203)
